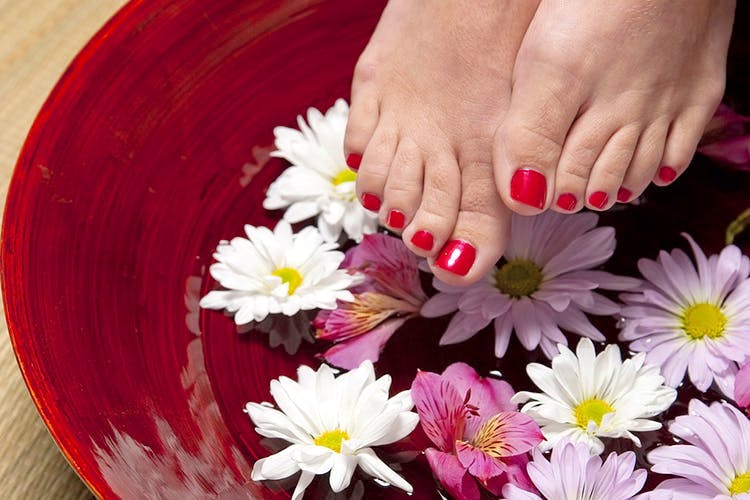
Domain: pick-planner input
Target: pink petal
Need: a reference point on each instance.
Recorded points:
(440, 407)
(452, 475)
(349, 354)
(742, 386)
(480, 465)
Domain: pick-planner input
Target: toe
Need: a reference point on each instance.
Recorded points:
(363, 119)
(376, 162)
(436, 216)
(529, 142)
(482, 227)
(403, 188)
(610, 168)
(682, 141)
(645, 161)
(583, 145)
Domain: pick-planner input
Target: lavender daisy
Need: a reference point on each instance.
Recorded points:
(544, 283)
(714, 462)
(572, 472)
(694, 320)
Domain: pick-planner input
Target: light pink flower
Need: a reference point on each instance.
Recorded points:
(478, 434)
(692, 317)
(572, 472)
(727, 139)
(742, 386)
(390, 294)
(713, 462)
(545, 282)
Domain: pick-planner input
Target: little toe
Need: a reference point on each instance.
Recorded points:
(611, 167)
(645, 161)
(529, 143)
(435, 218)
(682, 141)
(403, 189)
(481, 231)
(362, 122)
(376, 162)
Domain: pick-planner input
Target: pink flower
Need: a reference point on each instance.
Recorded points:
(390, 295)
(478, 433)
(742, 386)
(727, 139)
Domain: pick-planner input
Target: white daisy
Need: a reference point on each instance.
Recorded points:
(545, 282)
(587, 396)
(318, 182)
(277, 272)
(692, 319)
(332, 423)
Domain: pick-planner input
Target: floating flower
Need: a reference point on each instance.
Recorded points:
(332, 423)
(476, 429)
(694, 320)
(318, 183)
(714, 462)
(727, 139)
(390, 294)
(587, 396)
(573, 473)
(545, 282)
(277, 272)
(742, 386)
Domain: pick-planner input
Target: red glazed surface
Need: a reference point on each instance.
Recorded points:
(155, 146)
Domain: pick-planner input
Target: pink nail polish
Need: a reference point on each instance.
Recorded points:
(567, 201)
(371, 202)
(667, 174)
(623, 195)
(529, 186)
(353, 161)
(423, 239)
(457, 257)
(396, 219)
(598, 199)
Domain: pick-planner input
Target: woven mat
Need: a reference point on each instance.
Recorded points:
(38, 38)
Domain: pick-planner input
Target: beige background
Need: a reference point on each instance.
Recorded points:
(38, 38)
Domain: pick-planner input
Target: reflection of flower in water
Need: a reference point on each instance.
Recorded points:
(192, 299)
(288, 331)
(133, 469)
(261, 155)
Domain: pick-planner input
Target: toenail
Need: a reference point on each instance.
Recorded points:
(667, 174)
(529, 186)
(396, 219)
(371, 202)
(598, 199)
(623, 195)
(457, 257)
(423, 239)
(567, 201)
(353, 161)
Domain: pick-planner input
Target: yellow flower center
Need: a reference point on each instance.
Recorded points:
(332, 439)
(591, 409)
(740, 484)
(518, 278)
(345, 175)
(703, 320)
(291, 276)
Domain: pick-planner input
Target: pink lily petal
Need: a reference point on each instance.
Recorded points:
(349, 354)
(733, 152)
(479, 464)
(440, 407)
(742, 386)
(452, 475)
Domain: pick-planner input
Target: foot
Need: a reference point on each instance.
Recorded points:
(607, 98)
(429, 92)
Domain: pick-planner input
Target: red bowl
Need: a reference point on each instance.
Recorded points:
(152, 148)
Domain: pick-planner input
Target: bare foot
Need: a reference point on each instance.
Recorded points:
(608, 97)
(429, 92)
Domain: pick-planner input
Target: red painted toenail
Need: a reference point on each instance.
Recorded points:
(396, 219)
(457, 257)
(529, 187)
(353, 161)
(598, 199)
(667, 174)
(567, 201)
(371, 202)
(423, 239)
(623, 195)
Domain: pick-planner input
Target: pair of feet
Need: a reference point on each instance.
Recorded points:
(463, 110)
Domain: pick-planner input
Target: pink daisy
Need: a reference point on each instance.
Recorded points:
(694, 320)
(545, 282)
